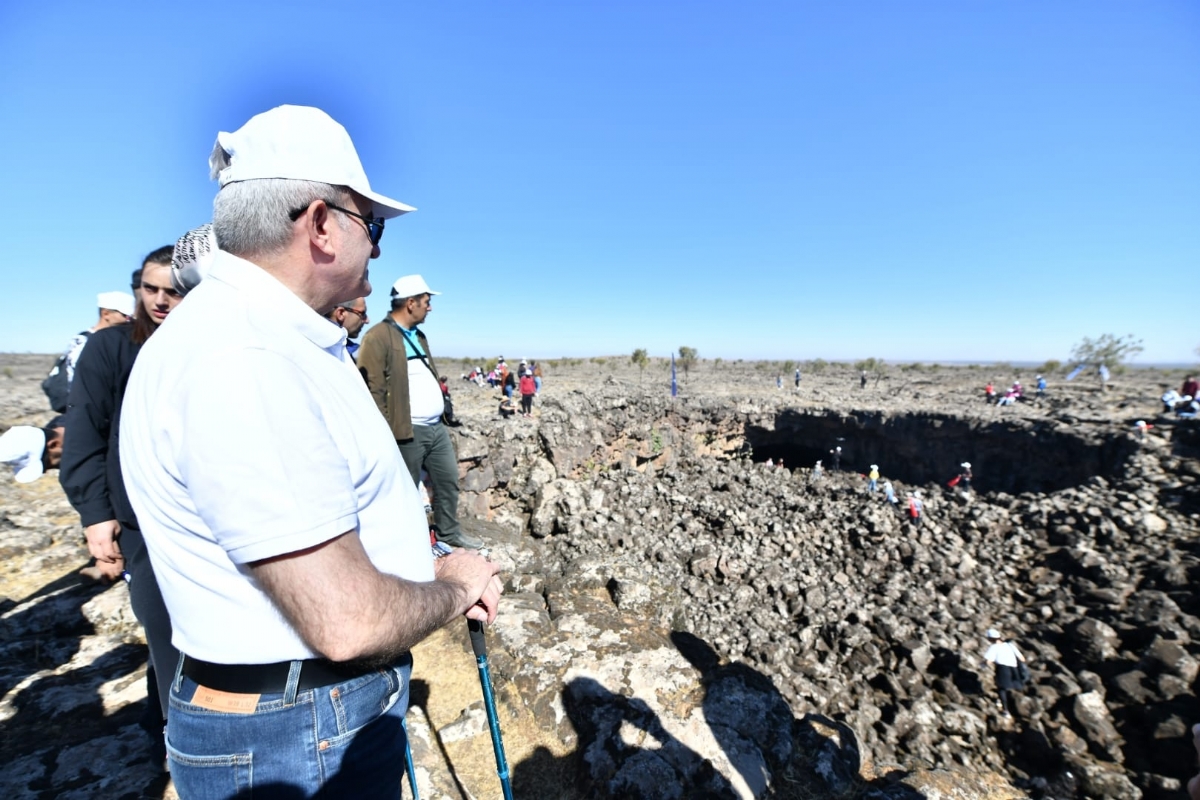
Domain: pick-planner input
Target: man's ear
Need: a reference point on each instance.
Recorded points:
(318, 225)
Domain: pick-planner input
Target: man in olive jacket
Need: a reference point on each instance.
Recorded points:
(396, 361)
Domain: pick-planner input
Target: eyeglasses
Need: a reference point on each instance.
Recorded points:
(374, 225)
(362, 313)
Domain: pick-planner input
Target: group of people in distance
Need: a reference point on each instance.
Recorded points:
(1185, 403)
(526, 381)
(294, 575)
(1014, 393)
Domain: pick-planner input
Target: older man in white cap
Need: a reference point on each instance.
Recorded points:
(115, 308)
(289, 541)
(399, 368)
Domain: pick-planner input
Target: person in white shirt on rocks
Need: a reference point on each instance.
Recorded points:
(287, 535)
(1006, 657)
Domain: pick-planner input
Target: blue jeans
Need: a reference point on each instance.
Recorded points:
(871, 485)
(342, 740)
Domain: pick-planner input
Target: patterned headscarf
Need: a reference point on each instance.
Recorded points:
(192, 258)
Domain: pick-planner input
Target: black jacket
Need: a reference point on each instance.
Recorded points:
(90, 472)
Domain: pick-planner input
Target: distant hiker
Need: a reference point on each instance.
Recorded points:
(989, 392)
(889, 492)
(1041, 387)
(1141, 426)
(351, 316)
(862, 380)
(778, 381)
(797, 377)
(873, 478)
(30, 451)
(537, 377)
(1009, 398)
(510, 384)
(1007, 660)
(837, 458)
(116, 308)
(964, 477)
(770, 464)
(528, 389)
(404, 381)
(817, 470)
(1190, 387)
(915, 508)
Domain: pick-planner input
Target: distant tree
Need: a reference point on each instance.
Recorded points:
(1050, 367)
(640, 358)
(687, 358)
(872, 366)
(788, 366)
(1106, 351)
(817, 366)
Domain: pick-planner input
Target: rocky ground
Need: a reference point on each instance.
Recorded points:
(683, 620)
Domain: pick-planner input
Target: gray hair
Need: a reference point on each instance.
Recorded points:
(252, 217)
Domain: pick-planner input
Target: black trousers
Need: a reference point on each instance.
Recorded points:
(151, 612)
(526, 404)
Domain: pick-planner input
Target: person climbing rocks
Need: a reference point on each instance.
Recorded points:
(989, 392)
(837, 458)
(1041, 387)
(873, 478)
(889, 493)
(817, 471)
(797, 377)
(964, 477)
(1141, 427)
(862, 380)
(1006, 658)
(915, 508)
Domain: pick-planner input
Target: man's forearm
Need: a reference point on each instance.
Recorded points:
(345, 609)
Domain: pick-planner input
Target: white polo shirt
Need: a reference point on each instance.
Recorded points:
(246, 433)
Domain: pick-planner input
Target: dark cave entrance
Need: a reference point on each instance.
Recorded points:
(1012, 456)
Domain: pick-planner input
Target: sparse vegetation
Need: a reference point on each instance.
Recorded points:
(1050, 367)
(8, 372)
(640, 359)
(1108, 351)
(872, 366)
(817, 366)
(687, 359)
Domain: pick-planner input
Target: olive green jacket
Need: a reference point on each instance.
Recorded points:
(383, 361)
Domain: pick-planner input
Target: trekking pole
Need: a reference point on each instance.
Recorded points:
(489, 701)
(408, 762)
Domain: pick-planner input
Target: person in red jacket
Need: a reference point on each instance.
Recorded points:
(528, 390)
(1190, 387)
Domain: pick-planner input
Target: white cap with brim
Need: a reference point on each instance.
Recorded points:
(296, 143)
(21, 448)
(992, 633)
(117, 301)
(412, 286)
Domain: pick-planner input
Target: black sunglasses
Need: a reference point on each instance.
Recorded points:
(374, 225)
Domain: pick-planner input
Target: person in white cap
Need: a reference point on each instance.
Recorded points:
(91, 477)
(965, 477)
(404, 381)
(1006, 657)
(30, 451)
(873, 478)
(286, 533)
(115, 308)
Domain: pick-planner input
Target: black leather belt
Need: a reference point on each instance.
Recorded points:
(272, 678)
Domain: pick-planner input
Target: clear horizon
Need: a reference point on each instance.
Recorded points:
(919, 181)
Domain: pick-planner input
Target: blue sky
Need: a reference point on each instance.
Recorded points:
(909, 180)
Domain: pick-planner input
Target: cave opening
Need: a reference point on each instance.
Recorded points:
(1013, 456)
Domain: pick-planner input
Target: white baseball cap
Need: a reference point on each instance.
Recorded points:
(296, 143)
(966, 464)
(117, 301)
(992, 633)
(21, 448)
(411, 286)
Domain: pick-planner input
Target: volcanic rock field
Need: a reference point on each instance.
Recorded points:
(691, 612)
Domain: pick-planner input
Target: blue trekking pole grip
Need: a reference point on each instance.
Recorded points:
(489, 701)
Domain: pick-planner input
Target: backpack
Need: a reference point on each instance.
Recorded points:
(56, 385)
